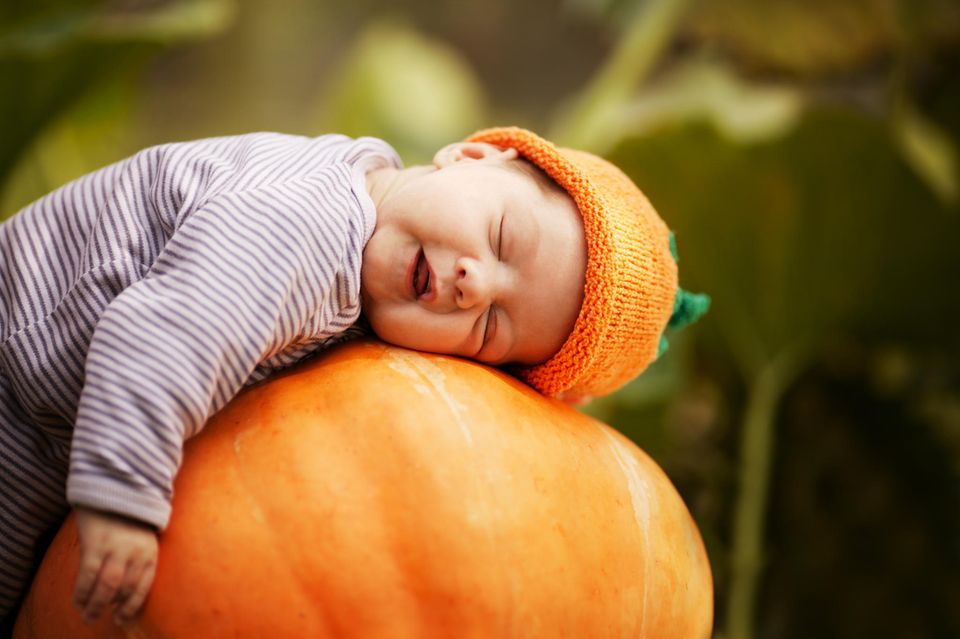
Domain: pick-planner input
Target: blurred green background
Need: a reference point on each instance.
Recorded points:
(806, 154)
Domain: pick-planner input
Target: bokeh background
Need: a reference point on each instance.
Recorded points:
(806, 154)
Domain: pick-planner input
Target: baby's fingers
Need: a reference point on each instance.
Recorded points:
(90, 564)
(108, 580)
(129, 607)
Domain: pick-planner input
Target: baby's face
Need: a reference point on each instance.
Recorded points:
(475, 259)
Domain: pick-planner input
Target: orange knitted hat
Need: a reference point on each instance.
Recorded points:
(631, 279)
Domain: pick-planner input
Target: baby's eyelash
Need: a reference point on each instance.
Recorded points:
(500, 238)
(488, 325)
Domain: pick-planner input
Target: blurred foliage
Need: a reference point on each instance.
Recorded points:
(825, 232)
(804, 246)
(869, 481)
(818, 38)
(400, 86)
(91, 135)
(804, 152)
(51, 52)
(708, 91)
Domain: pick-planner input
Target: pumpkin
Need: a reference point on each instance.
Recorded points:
(379, 492)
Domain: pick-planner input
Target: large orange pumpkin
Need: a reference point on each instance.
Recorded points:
(379, 492)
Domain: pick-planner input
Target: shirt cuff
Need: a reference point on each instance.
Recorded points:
(101, 493)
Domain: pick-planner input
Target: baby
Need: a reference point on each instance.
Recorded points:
(139, 299)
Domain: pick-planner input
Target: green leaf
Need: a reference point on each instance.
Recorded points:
(796, 238)
(48, 32)
(742, 111)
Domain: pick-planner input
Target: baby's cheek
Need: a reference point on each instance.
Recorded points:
(419, 329)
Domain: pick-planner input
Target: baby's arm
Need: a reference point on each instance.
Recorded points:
(118, 557)
(241, 280)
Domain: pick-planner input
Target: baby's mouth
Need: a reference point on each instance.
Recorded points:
(421, 276)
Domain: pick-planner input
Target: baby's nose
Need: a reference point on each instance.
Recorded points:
(472, 284)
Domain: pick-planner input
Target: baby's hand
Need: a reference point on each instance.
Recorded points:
(117, 561)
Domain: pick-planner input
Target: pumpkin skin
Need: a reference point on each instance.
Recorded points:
(380, 492)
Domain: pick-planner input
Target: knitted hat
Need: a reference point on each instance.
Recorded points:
(631, 288)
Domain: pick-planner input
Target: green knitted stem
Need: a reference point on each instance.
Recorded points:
(687, 307)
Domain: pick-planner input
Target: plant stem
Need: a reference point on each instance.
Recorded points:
(587, 124)
(756, 453)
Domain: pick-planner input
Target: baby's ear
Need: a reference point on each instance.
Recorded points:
(472, 152)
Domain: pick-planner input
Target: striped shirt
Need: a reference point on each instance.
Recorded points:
(139, 299)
